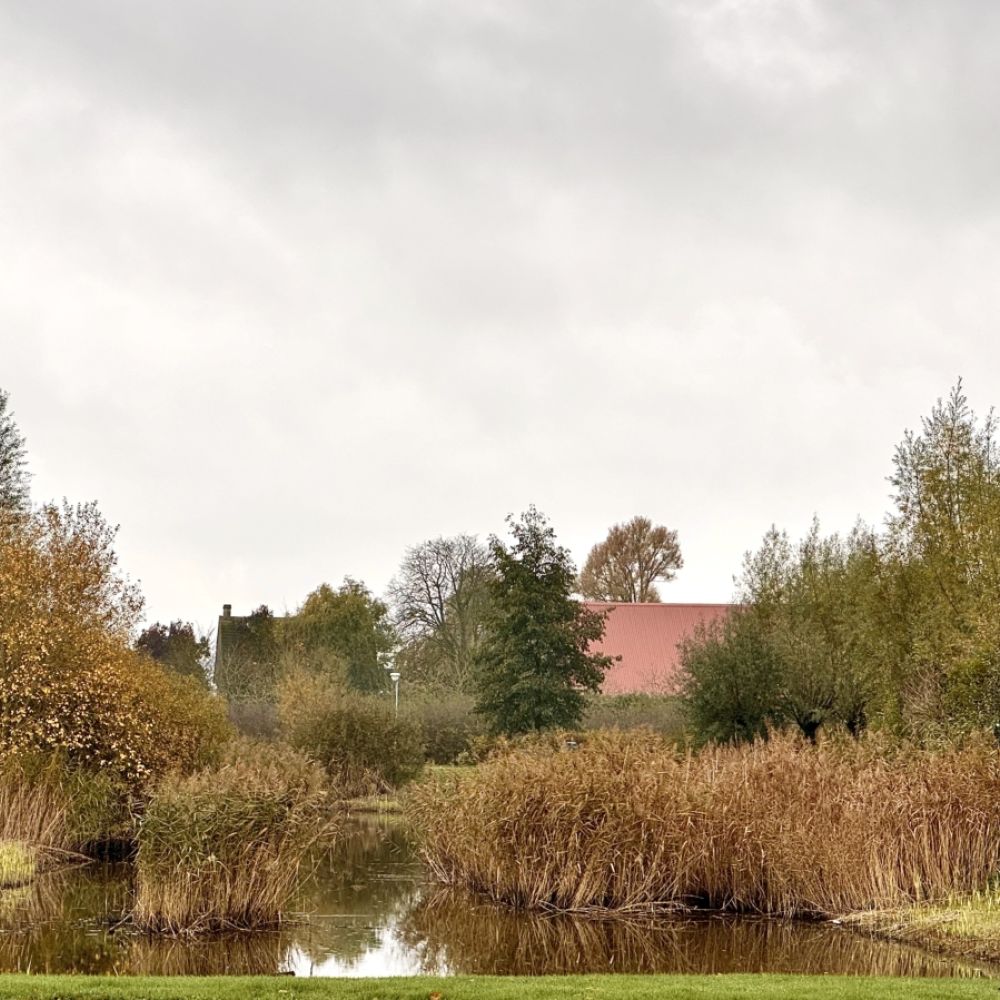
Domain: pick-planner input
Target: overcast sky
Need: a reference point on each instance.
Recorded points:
(289, 286)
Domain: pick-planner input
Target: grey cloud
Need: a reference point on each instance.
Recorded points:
(291, 286)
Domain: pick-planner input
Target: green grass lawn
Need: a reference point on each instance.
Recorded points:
(732, 987)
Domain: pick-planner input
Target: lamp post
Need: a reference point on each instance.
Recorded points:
(394, 677)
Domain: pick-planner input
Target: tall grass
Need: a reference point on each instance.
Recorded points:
(225, 848)
(627, 823)
(34, 806)
(57, 807)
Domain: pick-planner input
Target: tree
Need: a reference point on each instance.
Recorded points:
(439, 600)
(897, 627)
(70, 683)
(176, 646)
(13, 474)
(731, 677)
(349, 623)
(627, 564)
(945, 541)
(534, 665)
(801, 647)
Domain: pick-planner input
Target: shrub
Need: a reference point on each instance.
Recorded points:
(661, 713)
(626, 822)
(448, 724)
(257, 720)
(356, 737)
(224, 847)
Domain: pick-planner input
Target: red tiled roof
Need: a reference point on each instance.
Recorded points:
(646, 638)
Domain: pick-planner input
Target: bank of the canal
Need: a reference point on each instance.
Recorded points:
(597, 987)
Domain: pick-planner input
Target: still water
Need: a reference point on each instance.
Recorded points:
(371, 912)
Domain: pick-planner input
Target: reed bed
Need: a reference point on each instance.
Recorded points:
(34, 806)
(626, 823)
(63, 811)
(225, 848)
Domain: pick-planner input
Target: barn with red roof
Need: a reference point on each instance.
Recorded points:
(646, 638)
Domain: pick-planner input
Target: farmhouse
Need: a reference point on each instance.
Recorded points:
(646, 637)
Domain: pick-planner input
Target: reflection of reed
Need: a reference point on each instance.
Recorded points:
(42, 925)
(451, 931)
(245, 954)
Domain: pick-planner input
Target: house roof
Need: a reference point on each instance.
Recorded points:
(646, 636)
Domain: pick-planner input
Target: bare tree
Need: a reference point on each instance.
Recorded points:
(438, 602)
(629, 562)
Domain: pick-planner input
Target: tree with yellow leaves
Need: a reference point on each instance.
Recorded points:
(69, 681)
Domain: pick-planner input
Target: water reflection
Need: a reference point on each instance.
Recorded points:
(462, 935)
(370, 912)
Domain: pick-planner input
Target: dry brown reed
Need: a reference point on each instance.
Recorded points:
(62, 811)
(34, 807)
(224, 848)
(780, 827)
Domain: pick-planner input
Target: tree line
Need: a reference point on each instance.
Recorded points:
(499, 622)
(895, 626)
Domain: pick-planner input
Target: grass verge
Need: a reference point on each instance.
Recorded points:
(969, 926)
(17, 864)
(382, 805)
(741, 987)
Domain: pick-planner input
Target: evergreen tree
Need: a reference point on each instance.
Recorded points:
(534, 665)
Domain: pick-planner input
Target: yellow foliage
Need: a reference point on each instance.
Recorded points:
(68, 680)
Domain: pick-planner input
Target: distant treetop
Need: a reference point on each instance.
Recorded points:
(629, 562)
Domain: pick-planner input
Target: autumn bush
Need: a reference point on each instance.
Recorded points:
(626, 822)
(69, 682)
(224, 848)
(364, 748)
